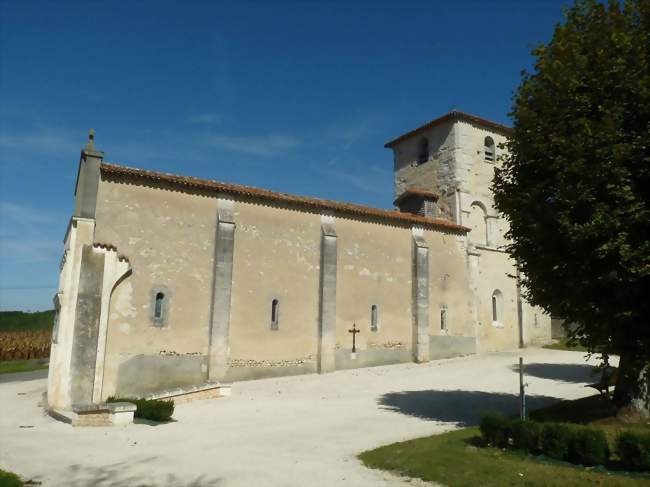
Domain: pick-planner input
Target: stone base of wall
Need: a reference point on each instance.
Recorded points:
(371, 357)
(108, 414)
(193, 393)
(442, 346)
(250, 373)
(148, 374)
(93, 419)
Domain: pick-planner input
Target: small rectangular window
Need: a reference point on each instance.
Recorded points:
(443, 319)
(373, 318)
(275, 314)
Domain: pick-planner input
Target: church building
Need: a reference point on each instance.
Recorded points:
(170, 281)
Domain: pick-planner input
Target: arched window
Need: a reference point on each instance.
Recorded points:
(423, 151)
(489, 150)
(373, 318)
(443, 318)
(497, 308)
(275, 314)
(159, 306)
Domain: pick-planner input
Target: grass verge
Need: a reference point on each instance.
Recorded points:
(458, 458)
(12, 366)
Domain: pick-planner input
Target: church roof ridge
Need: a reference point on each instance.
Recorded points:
(453, 115)
(305, 201)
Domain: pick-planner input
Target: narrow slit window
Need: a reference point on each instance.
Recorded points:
(497, 307)
(443, 319)
(489, 149)
(373, 318)
(275, 314)
(159, 306)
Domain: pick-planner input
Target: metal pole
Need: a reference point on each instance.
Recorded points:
(522, 390)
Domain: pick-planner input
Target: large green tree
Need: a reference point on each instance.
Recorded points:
(575, 186)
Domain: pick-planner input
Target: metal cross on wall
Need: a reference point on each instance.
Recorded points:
(354, 332)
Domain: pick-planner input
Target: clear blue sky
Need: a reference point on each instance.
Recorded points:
(297, 97)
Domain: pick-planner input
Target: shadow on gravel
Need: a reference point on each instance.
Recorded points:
(574, 373)
(461, 407)
(117, 475)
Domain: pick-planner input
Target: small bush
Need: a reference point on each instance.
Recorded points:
(495, 428)
(588, 446)
(151, 409)
(526, 435)
(556, 438)
(8, 479)
(634, 450)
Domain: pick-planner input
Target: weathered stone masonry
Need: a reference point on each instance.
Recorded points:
(174, 282)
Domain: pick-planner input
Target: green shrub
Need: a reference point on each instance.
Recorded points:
(588, 446)
(155, 409)
(495, 428)
(8, 479)
(634, 450)
(556, 438)
(151, 409)
(526, 435)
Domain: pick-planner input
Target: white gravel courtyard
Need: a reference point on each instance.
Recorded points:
(290, 431)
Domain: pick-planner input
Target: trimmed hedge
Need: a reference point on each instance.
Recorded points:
(495, 428)
(556, 439)
(588, 446)
(582, 445)
(526, 435)
(151, 409)
(634, 450)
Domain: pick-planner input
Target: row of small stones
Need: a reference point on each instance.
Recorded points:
(280, 363)
(270, 363)
(387, 345)
(380, 345)
(171, 352)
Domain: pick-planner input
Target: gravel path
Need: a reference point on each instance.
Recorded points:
(290, 431)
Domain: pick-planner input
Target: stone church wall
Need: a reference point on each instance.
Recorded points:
(168, 236)
(374, 268)
(276, 257)
(171, 281)
(455, 332)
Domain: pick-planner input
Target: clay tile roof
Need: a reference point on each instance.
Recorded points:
(411, 192)
(316, 204)
(453, 115)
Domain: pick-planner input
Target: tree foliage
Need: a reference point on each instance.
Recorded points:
(575, 185)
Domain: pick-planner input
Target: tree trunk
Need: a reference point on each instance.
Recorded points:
(632, 393)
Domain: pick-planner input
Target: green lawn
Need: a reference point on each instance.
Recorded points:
(8, 479)
(458, 458)
(11, 366)
(562, 344)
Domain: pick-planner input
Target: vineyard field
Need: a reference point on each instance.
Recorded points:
(25, 344)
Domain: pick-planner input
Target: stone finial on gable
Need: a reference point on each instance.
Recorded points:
(91, 140)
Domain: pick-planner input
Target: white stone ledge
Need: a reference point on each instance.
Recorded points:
(193, 392)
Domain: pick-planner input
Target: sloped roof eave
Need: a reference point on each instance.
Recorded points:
(304, 201)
